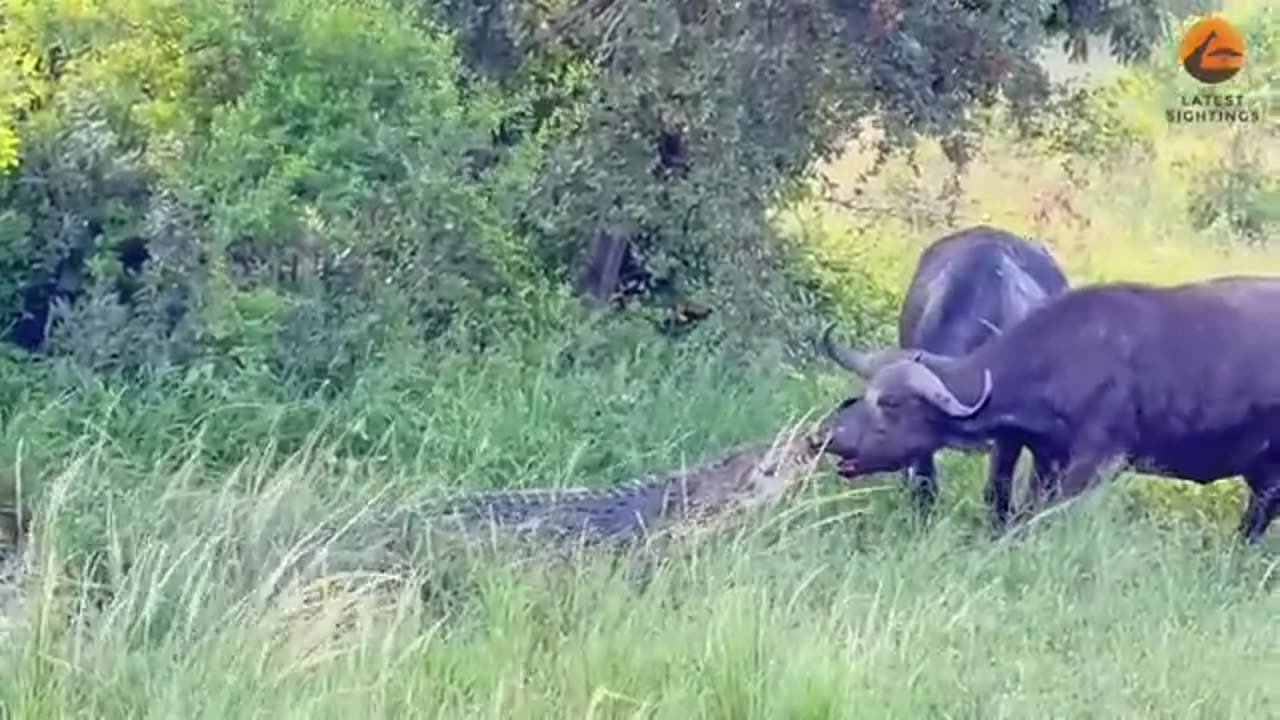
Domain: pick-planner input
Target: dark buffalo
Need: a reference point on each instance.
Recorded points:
(1178, 381)
(967, 288)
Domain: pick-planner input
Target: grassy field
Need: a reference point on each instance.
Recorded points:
(190, 499)
(837, 606)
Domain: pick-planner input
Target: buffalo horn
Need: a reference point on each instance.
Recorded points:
(928, 385)
(862, 363)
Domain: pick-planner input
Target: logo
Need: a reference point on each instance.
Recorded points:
(1212, 51)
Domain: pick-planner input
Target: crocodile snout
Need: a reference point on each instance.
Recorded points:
(817, 439)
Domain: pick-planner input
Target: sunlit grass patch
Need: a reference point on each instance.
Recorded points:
(1092, 612)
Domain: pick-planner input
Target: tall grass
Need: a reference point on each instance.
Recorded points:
(840, 605)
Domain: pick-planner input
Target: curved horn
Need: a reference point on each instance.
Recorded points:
(928, 385)
(862, 363)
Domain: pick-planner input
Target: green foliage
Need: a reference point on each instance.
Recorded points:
(1239, 194)
(16, 70)
(701, 118)
(1233, 190)
(1083, 125)
(205, 178)
(226, 181)
(345, 168)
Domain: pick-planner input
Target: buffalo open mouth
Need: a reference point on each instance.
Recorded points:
(848, 468)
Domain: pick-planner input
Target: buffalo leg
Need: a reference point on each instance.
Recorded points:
(999, 491)
(1043, 479)
(1081, 472)
(922, 483)
(1264, 503)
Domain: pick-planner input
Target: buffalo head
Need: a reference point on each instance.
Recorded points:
(903, 412)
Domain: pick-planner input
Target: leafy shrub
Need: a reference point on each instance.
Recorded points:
(1239, 194)
(233, 180)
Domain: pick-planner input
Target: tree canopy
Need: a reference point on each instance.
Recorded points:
(293, 184)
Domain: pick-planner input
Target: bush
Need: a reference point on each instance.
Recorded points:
(204, 178)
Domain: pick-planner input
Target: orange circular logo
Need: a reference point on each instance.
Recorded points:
(1212, 51)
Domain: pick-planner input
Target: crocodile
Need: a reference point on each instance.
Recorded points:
(688, 500)
(406, 538)
(631, 524)
(643, 514)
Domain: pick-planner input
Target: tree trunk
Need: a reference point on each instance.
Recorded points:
(598, 279)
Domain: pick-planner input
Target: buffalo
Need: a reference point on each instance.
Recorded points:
(967, 288)
(1179, 381)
